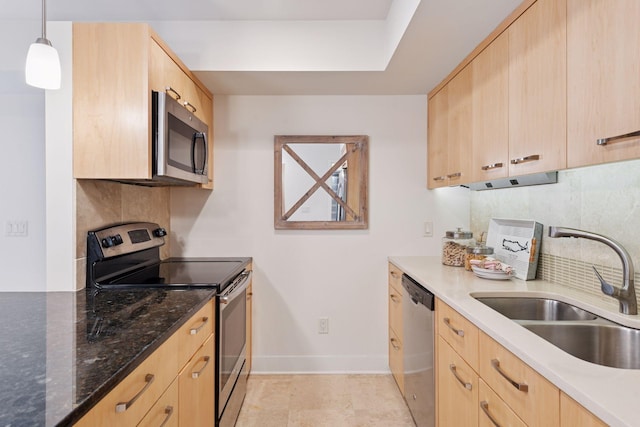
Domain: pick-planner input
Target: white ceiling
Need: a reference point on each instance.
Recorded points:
(287, 47)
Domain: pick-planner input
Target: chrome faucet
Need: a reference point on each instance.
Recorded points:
(625, 295)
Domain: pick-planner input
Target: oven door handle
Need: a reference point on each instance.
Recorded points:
(237, 287)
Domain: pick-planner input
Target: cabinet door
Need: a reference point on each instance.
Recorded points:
(111, 114)
(490, 106)
(603, 63)
(249, 326)
(459, 133)
(572, 414)
(437, 140)
(196, 388)
(396, 359)
(460, 333)
(537, 89)
(457, 389)
(195, 331)
(522, 388)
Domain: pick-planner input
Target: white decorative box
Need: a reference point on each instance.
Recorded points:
(517, 243)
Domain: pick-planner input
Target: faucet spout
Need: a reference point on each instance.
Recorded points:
(626, 295)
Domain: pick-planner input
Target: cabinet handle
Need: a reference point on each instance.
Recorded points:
(195, 375)
(394, 298)
(605, 141)
(394, 274)
(531, 158)
(485, 408)
(491, 166)
(454, 175)
(194, 331)
(447, 322)
(123, 406)
(465, 384)
(440, 178)
(170, 89)
(169, 411)
(393, 344)
(520, 386)
(188, 104)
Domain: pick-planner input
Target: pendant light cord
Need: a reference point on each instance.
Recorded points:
(44, 19)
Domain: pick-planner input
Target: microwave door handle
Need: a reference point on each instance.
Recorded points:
(203, 137)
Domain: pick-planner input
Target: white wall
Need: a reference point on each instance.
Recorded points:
(303, 275)
(22, 194)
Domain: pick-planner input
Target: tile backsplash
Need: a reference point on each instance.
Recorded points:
(101, 203)
(603, 199)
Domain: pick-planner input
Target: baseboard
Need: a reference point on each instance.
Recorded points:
(319, 365)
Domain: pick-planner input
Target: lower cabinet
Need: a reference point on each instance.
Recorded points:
(165, 388)
(497, 388)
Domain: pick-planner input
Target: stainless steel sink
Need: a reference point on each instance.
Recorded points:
(521, 308)
(578, 332)
(609, 345)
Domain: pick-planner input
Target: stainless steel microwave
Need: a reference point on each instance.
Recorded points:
(179, 142)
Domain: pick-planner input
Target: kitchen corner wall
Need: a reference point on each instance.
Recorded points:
(301, 276)
(604, 199)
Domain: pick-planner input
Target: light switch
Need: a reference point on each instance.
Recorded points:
(428, 229)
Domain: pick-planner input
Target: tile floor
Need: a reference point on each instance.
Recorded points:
(323, 400)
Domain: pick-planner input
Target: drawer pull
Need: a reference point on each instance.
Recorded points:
(195, 375)
(393, 344)
(520, 386)
(123, 406)
(170, 89)
(485, 408)
(169, 411)
(454, 175)
(447, 322)
(394, 298)
(525, 159)
(394, 274)
(194, 331)
(605, 141)
(465, 384)
(440, 178)
(491, 166)
(187, 104)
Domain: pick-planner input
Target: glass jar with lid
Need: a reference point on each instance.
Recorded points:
(477, 252)
(454, 247)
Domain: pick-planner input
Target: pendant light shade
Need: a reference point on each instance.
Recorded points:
(43, 64)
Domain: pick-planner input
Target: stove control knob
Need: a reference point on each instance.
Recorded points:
(160, 232)
(111, 241)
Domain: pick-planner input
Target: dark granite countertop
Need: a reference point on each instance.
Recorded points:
(61, 352)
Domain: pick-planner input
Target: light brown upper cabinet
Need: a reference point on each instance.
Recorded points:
(115, 68)
(537, 89)
(490, 111)
(449, 133)
(603, 61)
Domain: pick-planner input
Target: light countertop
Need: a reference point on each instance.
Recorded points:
(610, 393)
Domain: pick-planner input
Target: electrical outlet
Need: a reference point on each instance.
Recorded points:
(323, 325)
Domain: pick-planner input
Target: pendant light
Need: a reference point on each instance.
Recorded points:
(43, 64)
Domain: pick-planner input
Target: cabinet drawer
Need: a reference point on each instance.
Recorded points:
(165, 411)
(522, 388)
(195, 331)
(493, 411)
(396, 363)
(136, 394)
(395, 311)
(461, 334)
(395, 277)
(457, 388)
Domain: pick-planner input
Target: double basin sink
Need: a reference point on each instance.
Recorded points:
(578, 332)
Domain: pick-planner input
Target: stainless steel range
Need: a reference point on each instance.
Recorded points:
(127, 256)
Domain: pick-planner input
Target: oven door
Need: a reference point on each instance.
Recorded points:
(232, 346)
(180, 141)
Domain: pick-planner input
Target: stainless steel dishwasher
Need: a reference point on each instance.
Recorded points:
(417, 321)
